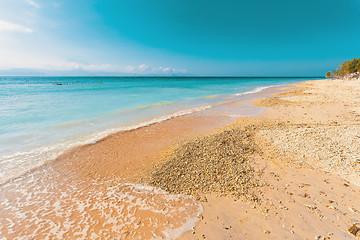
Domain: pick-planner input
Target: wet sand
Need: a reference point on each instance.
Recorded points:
(91, 192)
(92, 186)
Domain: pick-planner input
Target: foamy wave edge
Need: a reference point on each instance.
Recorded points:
(256, 90)
(28, 161)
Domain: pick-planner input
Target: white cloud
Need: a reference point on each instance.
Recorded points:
(8, 26)
(20, 60)
(32, 3)
(143, 67)
(129, 68)
(146, 69)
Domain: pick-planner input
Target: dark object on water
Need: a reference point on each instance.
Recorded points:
(78, 83)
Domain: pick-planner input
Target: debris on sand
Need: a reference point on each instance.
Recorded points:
(218, 162)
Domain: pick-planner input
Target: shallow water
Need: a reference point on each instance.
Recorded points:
(47, 204)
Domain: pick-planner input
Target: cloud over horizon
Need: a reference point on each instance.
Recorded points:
(49, 66)
(144, 68)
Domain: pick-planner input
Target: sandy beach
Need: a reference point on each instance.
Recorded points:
(298, 177)
(309, 141)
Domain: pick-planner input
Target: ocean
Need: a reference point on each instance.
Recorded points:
(40, 117)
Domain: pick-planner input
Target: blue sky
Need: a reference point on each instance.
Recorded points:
(182, 37)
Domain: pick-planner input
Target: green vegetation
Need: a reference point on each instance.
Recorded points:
(348, 67)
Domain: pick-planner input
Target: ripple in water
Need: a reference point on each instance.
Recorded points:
(47, 204)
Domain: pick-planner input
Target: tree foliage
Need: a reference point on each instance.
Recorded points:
(348, 67)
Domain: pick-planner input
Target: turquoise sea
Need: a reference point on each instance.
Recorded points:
(40, 117)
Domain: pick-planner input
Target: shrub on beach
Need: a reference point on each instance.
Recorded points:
(350, 67)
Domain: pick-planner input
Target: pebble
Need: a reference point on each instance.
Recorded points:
(353, 209)
(354, 230)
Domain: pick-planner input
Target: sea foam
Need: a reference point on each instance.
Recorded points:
(49, 204)
(256, 90)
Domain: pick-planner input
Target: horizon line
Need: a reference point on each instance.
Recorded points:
(162, 76)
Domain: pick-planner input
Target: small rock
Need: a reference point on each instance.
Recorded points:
(318, 237)
(353, 209)
(305, 195)
(312, 208)
(333, 208)
(267, 232)
(354, 229)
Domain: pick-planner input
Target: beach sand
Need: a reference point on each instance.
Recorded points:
(307, 157)
(310, 156)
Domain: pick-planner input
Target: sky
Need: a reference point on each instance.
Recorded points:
(178, 37)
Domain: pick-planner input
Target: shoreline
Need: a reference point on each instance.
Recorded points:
(52, 152)
(58, 149)
(163, 134)
(109, 164)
